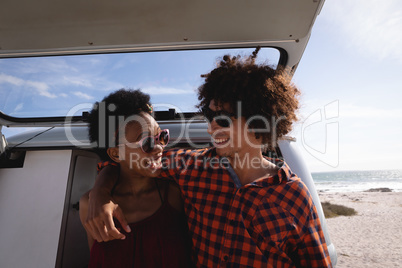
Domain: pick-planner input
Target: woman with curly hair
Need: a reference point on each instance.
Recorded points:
(125, 134)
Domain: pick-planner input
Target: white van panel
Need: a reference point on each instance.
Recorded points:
(294, 159)
(32, 201)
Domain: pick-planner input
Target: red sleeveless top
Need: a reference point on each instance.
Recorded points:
(160, 240)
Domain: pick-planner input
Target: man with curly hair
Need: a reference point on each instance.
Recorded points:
(243, 209)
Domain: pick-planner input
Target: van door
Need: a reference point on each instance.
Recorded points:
(73, 246)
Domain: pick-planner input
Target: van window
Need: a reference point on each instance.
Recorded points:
(68, 85)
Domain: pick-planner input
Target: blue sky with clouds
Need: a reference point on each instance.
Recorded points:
(353, 65)
(350, 77)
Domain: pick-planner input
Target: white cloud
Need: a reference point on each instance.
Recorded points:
(40, 87)
(41, 65)
(82, 95)
(19, 107)
(77, 81)
(371, 27)
(4, 78)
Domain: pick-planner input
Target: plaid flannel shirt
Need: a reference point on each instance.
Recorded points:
(271, 222)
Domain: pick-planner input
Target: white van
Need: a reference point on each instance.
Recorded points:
(44, 171)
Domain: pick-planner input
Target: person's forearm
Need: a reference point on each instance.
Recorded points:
(102, 209)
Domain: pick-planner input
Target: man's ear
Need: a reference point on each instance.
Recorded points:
(114, 154)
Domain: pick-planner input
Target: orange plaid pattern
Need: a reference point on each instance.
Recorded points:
(271, 222)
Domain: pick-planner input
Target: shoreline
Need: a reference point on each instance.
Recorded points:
(372, 237)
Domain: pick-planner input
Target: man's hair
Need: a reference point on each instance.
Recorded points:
(103, 126)
(262, 90)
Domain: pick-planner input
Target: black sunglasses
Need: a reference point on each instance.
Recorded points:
(147, 144)
(222, 118)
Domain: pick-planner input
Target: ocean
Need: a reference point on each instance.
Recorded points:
(357, 181)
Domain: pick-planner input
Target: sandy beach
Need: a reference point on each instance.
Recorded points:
(373, 237)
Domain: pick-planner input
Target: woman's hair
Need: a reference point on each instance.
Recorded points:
(103, 118)
(265, 94)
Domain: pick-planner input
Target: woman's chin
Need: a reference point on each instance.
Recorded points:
(154, 172)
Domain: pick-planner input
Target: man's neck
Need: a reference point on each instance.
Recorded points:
(252, 166)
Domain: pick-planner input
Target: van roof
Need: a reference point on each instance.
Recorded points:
(48, 27)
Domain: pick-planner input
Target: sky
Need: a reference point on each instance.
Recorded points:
(350, 77)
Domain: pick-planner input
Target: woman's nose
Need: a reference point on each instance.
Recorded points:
(157, 148)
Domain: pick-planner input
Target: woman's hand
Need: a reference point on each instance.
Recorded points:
(100, 215)
(102, 209)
